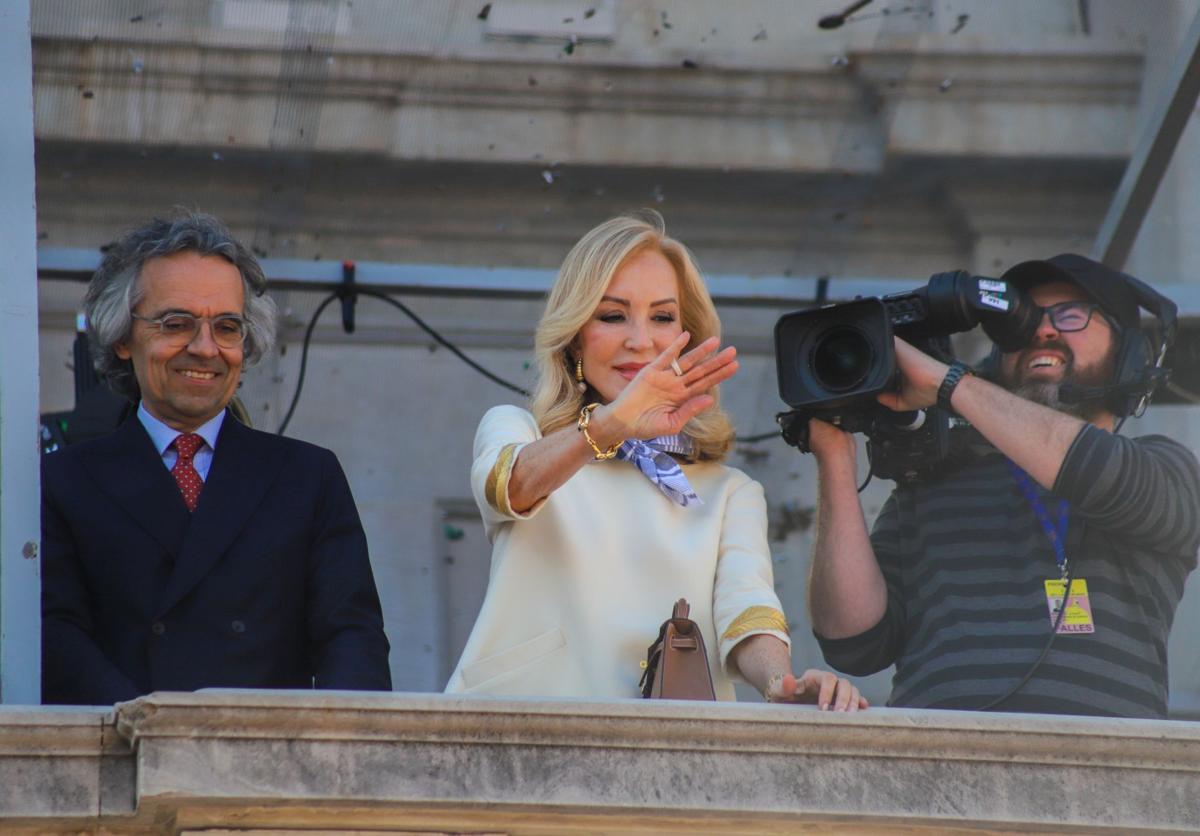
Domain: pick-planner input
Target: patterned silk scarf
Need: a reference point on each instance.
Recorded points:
(653, 460)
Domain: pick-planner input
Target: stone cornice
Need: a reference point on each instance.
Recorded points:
(49, 732)
(814, 109)
(62, 766)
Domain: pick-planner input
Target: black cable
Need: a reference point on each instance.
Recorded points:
(754, 439)
(870, 470)
(453, 349)
(1053, 630)
(1057, 621)
(312, 323)
(495, 379)
(1045, 650)
(870, 473)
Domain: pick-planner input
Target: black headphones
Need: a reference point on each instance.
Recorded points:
(1138, 368)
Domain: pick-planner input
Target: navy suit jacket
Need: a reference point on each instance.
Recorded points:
(267, 585)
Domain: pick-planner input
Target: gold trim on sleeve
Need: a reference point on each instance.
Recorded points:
(756, 618)
(495, 489)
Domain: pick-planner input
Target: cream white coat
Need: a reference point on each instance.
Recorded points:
(581, 583)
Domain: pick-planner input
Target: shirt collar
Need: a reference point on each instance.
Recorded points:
(163, 436)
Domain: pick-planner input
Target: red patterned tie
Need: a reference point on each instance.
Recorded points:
(189, 481)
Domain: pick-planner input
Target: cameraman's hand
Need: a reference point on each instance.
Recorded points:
(829, 443)
(920, 377)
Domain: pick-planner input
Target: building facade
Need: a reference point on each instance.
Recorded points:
(916, 138)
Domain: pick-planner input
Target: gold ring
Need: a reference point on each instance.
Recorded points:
(675, 366)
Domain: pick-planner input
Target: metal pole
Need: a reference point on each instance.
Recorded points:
(1152, 156)
(20, 587)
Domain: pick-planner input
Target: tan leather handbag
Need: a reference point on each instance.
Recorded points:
(677, 662)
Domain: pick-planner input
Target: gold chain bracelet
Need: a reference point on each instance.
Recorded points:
(585, 417)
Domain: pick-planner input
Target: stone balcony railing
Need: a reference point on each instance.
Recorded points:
(270, 762)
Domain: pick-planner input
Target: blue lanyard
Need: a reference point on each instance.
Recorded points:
(1056, 530)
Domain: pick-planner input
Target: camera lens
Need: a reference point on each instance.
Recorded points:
(841, 358)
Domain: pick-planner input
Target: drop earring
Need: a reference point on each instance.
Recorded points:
(580, 384)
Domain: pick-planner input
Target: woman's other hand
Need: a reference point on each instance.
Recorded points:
(765, 662)
(822, 688)
(660, 401)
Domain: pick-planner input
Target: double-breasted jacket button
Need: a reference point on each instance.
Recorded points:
(237, 626)
(158, 628)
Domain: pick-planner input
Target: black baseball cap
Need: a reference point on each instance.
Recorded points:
(1108, 287)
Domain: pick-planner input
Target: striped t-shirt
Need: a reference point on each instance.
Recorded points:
(966, 561)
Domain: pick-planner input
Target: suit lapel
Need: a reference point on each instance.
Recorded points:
(127, 467)
(241, 473)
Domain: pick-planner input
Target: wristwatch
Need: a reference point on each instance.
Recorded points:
(956, 373)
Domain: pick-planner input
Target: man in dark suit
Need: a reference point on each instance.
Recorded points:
(187, 550)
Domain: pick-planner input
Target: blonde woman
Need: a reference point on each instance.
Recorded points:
(607, 500)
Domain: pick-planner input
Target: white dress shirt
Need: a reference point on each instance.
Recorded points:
(164, 436)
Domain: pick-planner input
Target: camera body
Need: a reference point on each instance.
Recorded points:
(832, 362)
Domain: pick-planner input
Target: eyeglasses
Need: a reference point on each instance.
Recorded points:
(228, 331)
(1073, 316)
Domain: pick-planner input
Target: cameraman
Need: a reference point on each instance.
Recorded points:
(959, 582)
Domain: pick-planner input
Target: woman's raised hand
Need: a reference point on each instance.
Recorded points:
(673, 389)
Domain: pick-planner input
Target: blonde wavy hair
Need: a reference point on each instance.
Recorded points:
(584, 276)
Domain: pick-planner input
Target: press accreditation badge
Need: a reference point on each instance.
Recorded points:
(1078, 617)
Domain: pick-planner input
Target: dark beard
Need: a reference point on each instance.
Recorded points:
(1048, 393)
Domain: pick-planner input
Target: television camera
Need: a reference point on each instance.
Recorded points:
(833, 361)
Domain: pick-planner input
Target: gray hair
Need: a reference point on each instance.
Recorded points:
(115, 290)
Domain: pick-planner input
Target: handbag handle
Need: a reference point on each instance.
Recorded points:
(679, 617)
